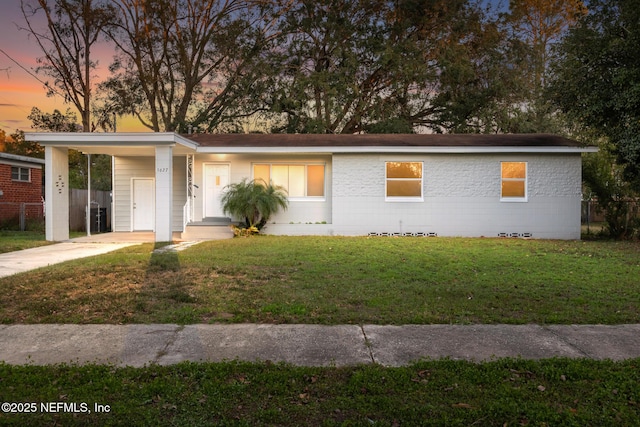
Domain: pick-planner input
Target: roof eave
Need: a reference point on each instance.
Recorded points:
(140, 139)
(148, 139)
(394, 150)
(8, 158)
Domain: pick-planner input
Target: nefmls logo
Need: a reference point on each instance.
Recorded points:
(54, 407)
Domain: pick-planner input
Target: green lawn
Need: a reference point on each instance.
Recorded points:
(507, 392)
(335, 280)
(338, 280)
(11, 241)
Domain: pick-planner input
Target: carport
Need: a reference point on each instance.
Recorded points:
(161, 146)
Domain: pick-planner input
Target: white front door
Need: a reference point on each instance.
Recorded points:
(143, 204)
(216, 178)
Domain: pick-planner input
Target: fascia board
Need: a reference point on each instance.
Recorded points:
(107, 139)
(186, 142)
(128, 139)
(169, 138)
(394, 150)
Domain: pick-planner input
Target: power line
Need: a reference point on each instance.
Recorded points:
(12, 105)
(46, 84)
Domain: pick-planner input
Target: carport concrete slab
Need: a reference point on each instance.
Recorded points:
(52, 343)
(615, 342)
(312, 345)
(401, 345)
(118, 237)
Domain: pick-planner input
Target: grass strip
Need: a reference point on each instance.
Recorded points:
(19, 240)
(504, 392)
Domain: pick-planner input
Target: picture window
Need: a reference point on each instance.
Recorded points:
(300, 180)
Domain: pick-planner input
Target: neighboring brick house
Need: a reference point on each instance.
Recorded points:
(21, 189)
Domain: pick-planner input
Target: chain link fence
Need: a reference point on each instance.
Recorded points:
(22, 216)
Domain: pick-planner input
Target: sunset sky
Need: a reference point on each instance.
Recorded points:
(20, 91)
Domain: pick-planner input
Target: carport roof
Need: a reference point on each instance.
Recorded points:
(115, 144)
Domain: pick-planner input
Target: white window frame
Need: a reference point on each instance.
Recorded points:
(525, 180)
(404, 199)
(304, 198)
(20, 169)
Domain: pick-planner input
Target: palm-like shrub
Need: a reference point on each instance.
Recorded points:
(254, 202)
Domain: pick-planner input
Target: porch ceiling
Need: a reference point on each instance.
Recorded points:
(128, 150)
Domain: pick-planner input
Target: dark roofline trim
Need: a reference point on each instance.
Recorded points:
(391, 150)
(381, 140)
(319, 143)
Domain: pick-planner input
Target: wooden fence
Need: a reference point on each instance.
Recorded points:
(78, 208)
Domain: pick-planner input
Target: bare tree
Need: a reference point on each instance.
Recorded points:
(72, 29)
(187, 62)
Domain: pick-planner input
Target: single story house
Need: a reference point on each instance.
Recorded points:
(21, 188)
(526, 185)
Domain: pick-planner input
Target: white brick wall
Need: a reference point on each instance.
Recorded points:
(461, 196)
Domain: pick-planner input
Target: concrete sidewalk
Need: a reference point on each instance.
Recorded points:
(310, 345)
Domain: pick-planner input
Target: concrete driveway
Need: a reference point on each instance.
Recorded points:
(79, 247)
(43, 256)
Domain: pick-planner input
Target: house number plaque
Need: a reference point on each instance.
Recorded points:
(59, 184)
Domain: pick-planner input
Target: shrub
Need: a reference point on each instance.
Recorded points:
(254, 202)
(616, 197)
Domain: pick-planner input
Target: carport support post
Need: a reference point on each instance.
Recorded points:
(56, 193)
(164, 193)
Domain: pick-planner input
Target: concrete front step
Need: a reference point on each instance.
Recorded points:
(207, 232)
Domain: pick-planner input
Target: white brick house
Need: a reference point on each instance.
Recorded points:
(445, 185)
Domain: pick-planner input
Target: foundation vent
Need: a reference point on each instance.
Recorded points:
(416, 234)
(516, 235)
